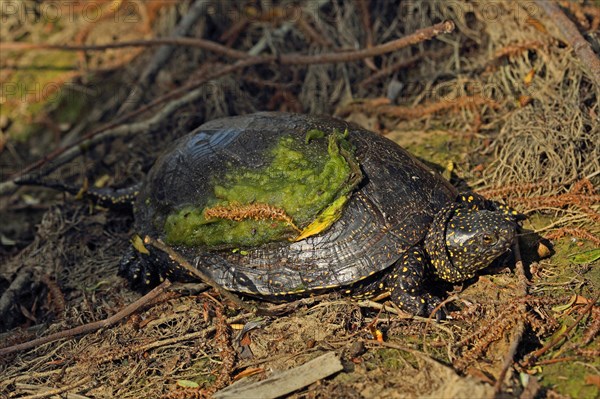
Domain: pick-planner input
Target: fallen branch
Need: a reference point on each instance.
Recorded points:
(287, 59)
(583, 49)
(133, 349)
(90, 327)
(365, 17)
(285, 382)
(158, 41)
(417, 37)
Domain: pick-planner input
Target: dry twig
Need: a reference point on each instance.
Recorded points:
(365, 19)
(132, 349)
(87, 328)
(285, 59)
(204, 44)
(196, 272)
(58, 391)
(519, 329)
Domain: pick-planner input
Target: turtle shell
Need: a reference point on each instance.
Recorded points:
(388, 212)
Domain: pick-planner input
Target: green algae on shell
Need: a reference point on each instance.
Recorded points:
(302, 187)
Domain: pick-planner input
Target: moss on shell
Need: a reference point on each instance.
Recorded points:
(301, 182)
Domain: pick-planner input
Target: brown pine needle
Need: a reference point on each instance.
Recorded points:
(419, 111)
(575, 232)
(256, 211)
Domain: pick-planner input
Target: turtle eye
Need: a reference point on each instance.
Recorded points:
(487, 239)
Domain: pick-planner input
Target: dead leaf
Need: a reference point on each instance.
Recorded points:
(592, 380)
(248, 372)
(529, 77)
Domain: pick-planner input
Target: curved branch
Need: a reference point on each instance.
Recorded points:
(583, 49)
(295, 59)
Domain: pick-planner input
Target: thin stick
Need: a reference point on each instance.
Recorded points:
(583, 49)
(158, 41)
(90, 327)
(197, 272)
(417, 37)
(287, 59)
(363, 9)
(509, 358)
(111, 357)
(406, 62)
(57, 391)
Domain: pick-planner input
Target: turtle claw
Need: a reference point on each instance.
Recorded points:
(419, 305)
(130, 267)
(138, 270)
(432, 303)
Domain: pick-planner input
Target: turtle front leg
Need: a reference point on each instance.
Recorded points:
(145, 270)
(139, 270)
(405, 282)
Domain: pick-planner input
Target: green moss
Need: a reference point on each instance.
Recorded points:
(568, 378)
(33, 90)
(302, 181)
(391, 359)
(437, 147)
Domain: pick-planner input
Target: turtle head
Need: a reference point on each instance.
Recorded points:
(462, 241)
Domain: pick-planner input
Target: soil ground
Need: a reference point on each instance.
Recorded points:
(504, 106)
